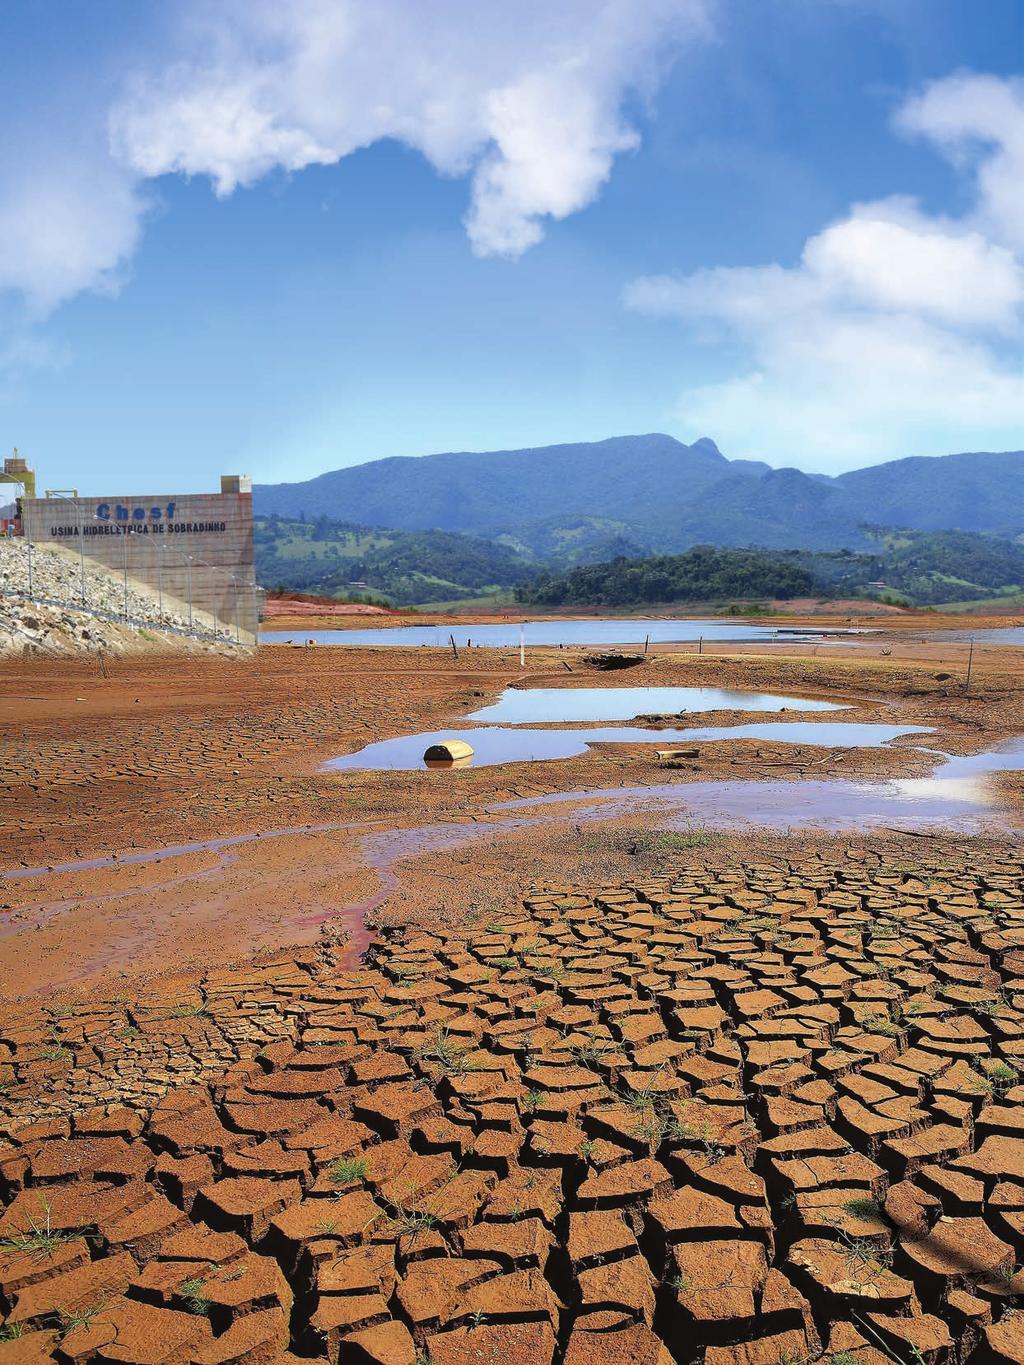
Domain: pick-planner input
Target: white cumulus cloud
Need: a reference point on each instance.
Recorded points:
(897, 332)
(528, 100)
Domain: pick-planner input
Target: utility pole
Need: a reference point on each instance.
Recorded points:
(970, 664)
(81, 547)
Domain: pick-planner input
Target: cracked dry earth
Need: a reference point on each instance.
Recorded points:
(738, 1115)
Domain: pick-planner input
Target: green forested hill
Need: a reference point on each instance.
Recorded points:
(703, 574)
(919, 567)
(406, 567)
(411, 567)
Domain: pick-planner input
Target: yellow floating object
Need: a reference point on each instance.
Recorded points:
(449, 751)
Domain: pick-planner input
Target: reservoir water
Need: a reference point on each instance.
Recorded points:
(595, 631)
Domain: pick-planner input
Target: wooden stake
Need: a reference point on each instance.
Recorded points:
(970, 664)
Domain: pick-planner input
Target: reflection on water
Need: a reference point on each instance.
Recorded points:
(526, 706)
(495, 744)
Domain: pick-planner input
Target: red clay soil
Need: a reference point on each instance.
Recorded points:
(755, 1101)
(304, 604)
(723, 1113)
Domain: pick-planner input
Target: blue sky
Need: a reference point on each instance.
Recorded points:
(279, 240)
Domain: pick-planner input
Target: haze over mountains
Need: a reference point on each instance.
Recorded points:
(653, 494)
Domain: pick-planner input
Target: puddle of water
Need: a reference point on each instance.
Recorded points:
(957, 796)
(996, 635)
(526, 706)
(558, 632)
(495, 744)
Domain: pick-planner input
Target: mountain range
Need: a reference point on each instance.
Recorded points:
(636, 495)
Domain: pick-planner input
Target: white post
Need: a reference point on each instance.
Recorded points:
(160, 576)
(125, 573)
(188, 566)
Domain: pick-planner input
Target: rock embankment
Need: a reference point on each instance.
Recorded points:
(38, 620)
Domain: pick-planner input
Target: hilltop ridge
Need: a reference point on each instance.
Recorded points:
(654, 494)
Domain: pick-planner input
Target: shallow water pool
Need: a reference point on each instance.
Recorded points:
(531, 706)
(496, 744)
(957, 796)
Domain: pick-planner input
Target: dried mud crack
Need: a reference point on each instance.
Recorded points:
(755, 1113)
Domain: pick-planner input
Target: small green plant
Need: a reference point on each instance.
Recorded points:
(406, 971)
(679, 1283)
(11, 1331)
(56, 1052)
(589, 1053)
(187, 1011)
(69, 1319)
(453, 1059)
(346, 1168)
(652, 1129)
(554, 971)
(409, 1221)
(864, 1255)
(1002, 1076)
(507, 963)
(995, 1005)
(478, 1318)
(193, 1291)
(40, 1239)
(863, 1208)
(532, 1099)
(587, 1148)
(843, 1358)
